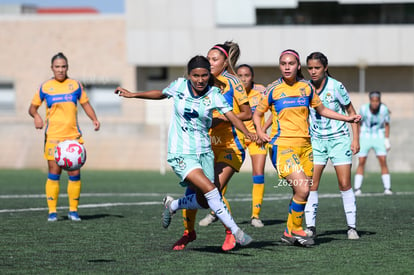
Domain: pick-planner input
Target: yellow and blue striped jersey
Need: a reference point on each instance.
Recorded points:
(225, 134)
(290, 111)
(61, 100)
(255, 96)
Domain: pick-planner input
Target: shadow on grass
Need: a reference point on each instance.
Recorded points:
(262, 245)
(101, 261)
(344, 232)
(266, 222)
(324, 237)
(98, 216)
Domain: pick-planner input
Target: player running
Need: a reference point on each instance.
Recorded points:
(189, 145)
(227, 142)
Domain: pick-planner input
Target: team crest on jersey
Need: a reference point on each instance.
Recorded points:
(207, 101)
(180, 95)
(180, 162)
(239, 88)
(302, 91)
(70, 86)
(329, 97)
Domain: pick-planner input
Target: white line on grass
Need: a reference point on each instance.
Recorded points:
(238, 197)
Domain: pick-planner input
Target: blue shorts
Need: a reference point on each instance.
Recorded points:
(183, 164)
(368, 143)
(337, 150)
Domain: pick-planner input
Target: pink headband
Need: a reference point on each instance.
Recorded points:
(222, 50)
(290, 52)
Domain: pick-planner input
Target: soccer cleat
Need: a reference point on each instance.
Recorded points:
(242, 238)
(358, 192)
(167, 214)
(297, 238)
(311, 232)
(207, 220)
(388, 192)
(256, 222)
(187, 237)
(52, 217)
(73, 216)
(352, 234)
(229, 241)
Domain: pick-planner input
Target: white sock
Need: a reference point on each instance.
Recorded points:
(348, 199)
(187, 202)
(311, 208)
(216, 204)
(386, 180)
(358, 181)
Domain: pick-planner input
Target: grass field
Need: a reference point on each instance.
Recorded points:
(121, 233)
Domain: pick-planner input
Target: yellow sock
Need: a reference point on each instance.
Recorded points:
(295, 216)
(189, 217)
(52, 192)
(226, 202)
(74, 189)
(257, 199)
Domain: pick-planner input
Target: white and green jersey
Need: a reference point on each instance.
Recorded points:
(373, 125)
(191, 117)
(335, 97)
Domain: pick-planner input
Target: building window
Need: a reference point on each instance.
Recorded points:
(7, 98)
(103, 99)
(334, 13)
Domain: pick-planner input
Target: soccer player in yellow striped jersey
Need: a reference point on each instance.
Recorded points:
(289, 99)
(227, 142)
(61, 95)
(257, 152)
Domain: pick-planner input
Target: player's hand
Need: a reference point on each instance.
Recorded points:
(355, 147)
(263, 137)
(354, 118)
(38, 122)
(251, 136)
(387, 144)
(97, 125)
(123, 92)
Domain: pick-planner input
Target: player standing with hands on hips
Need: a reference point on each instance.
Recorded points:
(375, 134)
(189, 146)
(289, 99)
(61, 95)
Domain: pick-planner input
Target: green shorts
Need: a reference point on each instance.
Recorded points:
(183, 164)
(368, 143)
(337, 150)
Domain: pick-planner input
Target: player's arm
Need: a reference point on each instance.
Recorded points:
(355, 129)
(257, 120)
(90, 112)
(240, 125)
(245, 114)
(387, 136)
(152, 94)
(38, 121)
(326, 112)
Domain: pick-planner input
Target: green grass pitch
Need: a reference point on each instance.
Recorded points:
(121, 233)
